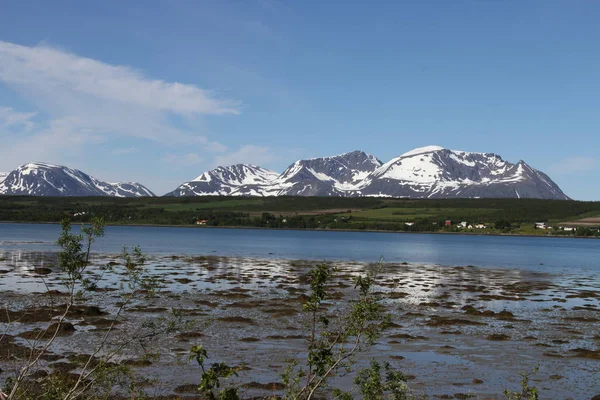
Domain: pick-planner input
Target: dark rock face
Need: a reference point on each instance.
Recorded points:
(40, 179)
(428, 172)
(328, 176)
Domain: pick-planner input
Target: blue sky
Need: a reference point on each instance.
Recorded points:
(160, 91)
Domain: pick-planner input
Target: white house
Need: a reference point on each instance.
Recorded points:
(480, 226)
(541, 225)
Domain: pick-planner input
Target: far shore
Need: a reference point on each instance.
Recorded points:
(315, 229)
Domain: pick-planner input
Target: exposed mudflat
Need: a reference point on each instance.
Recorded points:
(456, 331)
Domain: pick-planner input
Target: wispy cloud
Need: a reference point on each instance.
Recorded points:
(124, 150)
(11, 118)
(574, 165)
(85, 101)
(182, 160)
(41, 68)
(248, 154)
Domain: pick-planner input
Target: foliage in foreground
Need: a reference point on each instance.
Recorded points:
(332, 348)
(99, 375)
(527, 392)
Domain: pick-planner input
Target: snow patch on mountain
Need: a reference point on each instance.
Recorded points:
(227, 181)
(43, 179)
(421, 150)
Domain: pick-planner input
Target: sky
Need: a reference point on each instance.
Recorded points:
(159, 91)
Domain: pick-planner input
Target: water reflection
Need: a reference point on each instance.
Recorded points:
(530, 253)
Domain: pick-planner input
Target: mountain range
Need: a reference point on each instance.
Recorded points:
(41, 179)
(426, 172)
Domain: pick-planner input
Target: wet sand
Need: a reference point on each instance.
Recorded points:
(457, 331)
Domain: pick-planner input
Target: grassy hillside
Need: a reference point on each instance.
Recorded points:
(301, 212)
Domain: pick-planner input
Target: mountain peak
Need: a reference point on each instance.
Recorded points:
(36, 165)
(226, 180)
(352, 153)
(422, 150)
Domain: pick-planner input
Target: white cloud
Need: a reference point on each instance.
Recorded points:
(574, 165)
(11, 118)
(85, 101)
(124, 150)
(43, 67)
(248, 154)
(182, 160)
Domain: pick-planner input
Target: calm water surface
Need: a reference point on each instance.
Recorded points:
(531, 253)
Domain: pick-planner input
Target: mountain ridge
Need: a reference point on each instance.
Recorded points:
(425, 172)
(44, 179)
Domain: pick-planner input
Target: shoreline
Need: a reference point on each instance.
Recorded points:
(315, 230)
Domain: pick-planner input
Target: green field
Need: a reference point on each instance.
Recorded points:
(406, 214)
(516, 215)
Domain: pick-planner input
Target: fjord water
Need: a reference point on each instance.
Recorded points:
(529, 253)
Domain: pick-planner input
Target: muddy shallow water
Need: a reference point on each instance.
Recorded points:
(456, 330)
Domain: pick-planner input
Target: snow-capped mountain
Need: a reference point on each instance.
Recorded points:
(41, 179)
(3, 176)
(435, 172)
(328, 176)
(226, 181)
(426, 172)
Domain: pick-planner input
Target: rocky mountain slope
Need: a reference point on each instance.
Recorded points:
(427, 172)
(226, 181)
(329, 176)
(41, 179)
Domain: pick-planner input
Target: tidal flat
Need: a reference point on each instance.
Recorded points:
(457, 332)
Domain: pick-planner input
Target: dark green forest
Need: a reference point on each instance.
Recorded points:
(499, 215)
